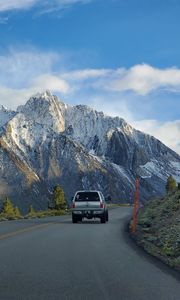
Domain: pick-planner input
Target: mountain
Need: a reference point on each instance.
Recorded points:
(46, 142)
(5, 115)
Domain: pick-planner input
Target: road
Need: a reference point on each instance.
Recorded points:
(54, 259)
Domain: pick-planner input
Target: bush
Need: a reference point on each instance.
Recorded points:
(59, 202)
(9, 211)
(8, 208)
(31, 212)
(171, 184)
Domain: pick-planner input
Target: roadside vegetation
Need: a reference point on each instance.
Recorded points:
(57, 207)
(111, 205)
(158, 226)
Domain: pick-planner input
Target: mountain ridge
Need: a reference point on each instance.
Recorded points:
(81, 148)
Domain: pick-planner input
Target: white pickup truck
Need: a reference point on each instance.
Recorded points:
(89, 204)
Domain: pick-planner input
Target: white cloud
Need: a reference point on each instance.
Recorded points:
(80, 75)
(46, 5)
(50, 82)
(140, 79)
(66, 2)
(143, 79)
(6, 5)
(18, 67)
(23, 73)
(70, 1)
(13, 97)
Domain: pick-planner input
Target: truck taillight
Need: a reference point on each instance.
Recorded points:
(73, 206)
(101, 205)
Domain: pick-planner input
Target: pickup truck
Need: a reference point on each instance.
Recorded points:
(89, 204)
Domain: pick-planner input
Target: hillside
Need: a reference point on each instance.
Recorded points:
(46, 142)
(158, 229)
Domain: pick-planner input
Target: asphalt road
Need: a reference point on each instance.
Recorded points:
(54, 259)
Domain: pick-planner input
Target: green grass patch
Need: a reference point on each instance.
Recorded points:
(158, 228)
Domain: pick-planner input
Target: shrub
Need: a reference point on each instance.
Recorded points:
(58, 198)
(171, 184)
(8, 209)
(31, 211)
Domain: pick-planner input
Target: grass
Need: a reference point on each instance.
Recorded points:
(118, 204)
(35, 214)
(158, 228)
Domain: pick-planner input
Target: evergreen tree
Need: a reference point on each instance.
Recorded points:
(31, 211)
(8, 208)
(58, 198)
(17, 212)
(171, 184)
(178, 186)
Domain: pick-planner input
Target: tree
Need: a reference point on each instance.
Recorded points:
(31, 211)
(17, 212)
(171, 184)
(8, 208)
(58, 198)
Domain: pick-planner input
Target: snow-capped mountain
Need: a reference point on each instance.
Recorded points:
(48, 142)
(5, 115)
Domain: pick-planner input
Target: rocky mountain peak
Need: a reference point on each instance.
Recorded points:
(90, 127)
(5, 115)
(46, 110)
(2, 108)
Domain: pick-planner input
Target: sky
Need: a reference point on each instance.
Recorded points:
(119, 57)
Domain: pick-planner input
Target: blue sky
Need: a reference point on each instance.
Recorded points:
(121, 57)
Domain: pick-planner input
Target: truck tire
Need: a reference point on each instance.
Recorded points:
(107, 216)
(103, 218)
(74, 219)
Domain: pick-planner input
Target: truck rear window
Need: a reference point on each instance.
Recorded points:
(93, 196)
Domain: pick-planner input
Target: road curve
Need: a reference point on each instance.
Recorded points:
(54, 259)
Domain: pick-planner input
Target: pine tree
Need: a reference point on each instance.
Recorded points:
(8, 208)
(17, 212)
(58, 198)
(31, 211)
(171, 184)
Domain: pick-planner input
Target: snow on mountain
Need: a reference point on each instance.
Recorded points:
(49, 142)
(5, 115)
(45, 109)
(115, 140)
(93, 129)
